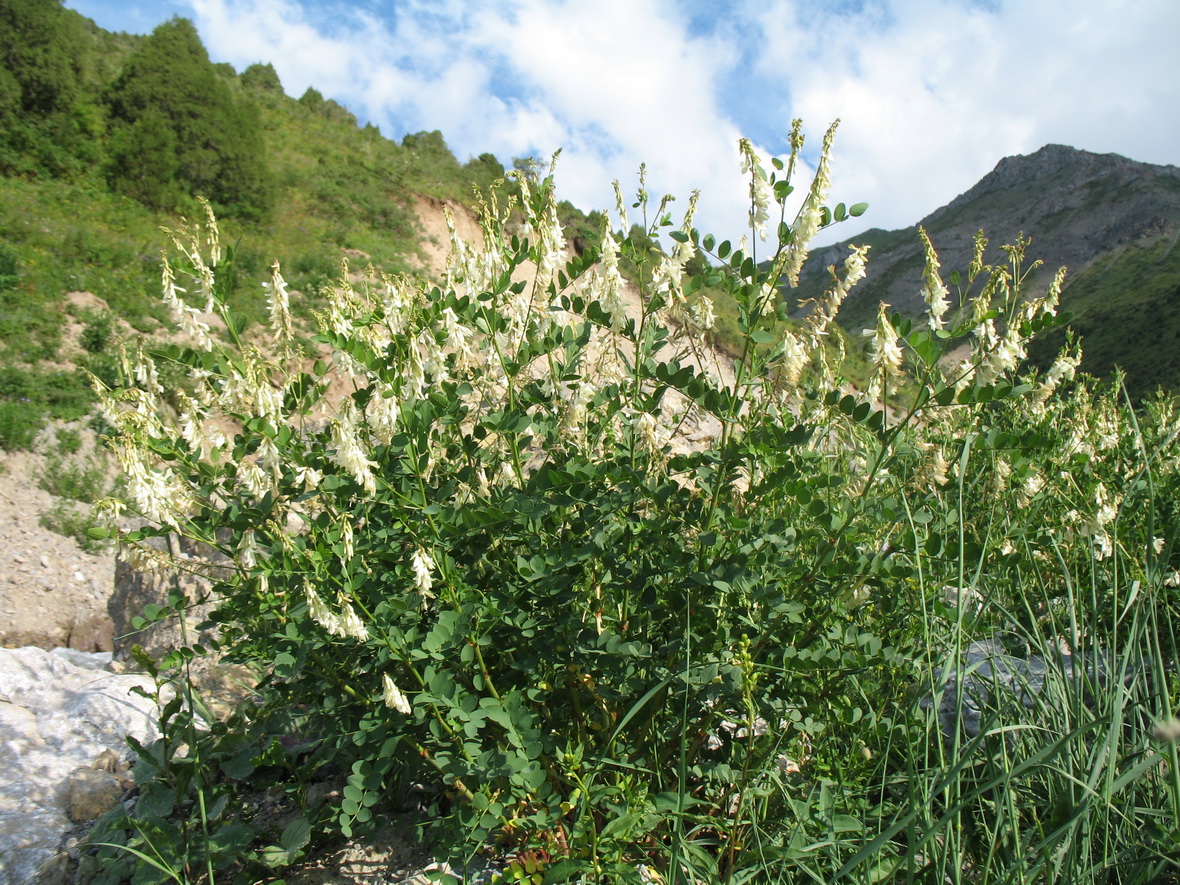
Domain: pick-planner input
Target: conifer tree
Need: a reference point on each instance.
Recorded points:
(42, 52)
(178, 129)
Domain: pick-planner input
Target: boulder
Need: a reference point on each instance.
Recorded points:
(994, 680)
(60, 713)
(135, 589)
(221, 686)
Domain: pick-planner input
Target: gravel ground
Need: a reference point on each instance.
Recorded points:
(52, 592)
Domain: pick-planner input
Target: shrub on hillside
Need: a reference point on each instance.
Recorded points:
(631, 613)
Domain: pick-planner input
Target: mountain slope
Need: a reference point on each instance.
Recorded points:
(1111, 221)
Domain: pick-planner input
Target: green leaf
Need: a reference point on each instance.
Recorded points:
(858, 209)
(240, 766)
(679, 236)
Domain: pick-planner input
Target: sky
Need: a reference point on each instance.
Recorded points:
(931, 94)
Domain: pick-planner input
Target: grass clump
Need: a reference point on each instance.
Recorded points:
(20, 422)
(70, 521)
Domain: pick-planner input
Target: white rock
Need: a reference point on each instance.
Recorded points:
(58, 712)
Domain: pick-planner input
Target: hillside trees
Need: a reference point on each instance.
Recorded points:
(262, 77)
(47, 123)
(177, 129)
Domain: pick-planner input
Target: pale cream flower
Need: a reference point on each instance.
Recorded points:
(185, 316)
(348, 453)
(1104, 428)
(1167, 731)
(760, 195)
(703, 316)
(308, 477)
(551, 243)
(787, 765)
(423, 566)
(158, 494)
(885, 355)
(1103, 546)
(934, 473)
(1053, 295)
(248, 550)
(1002, 359)
(621, 207)
(320, 613)
(793, 360)
(434, 362)
(824, 311)
(606, 283)
(1107, 507)
(1029, 489)
(459, 339)
(1063, 369)
(934, 293)
(810, 214)
(212, 233)
(253, 479)
(280, 308)
(979, 247)
(393, 696)
(382, 414)
(350, 623)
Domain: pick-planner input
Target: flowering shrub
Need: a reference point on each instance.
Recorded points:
(625, 609)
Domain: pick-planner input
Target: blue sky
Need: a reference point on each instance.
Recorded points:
(931, 93)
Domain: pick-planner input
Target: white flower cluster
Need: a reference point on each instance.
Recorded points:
(393, 697)
(606, 283)
(279, 304)
(1106, 509)
(810, 214)
(934, 293)
(185, 316)
(346, 624)
(1062, 370)
(760, 195)
(823, 312)
(423, 567)
(348, 453)
(668, 277)
(885, 355)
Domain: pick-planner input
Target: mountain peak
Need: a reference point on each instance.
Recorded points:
(1083, 210)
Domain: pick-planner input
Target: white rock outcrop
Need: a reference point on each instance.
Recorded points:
(59, 711)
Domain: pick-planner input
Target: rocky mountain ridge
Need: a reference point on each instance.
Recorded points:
(1112, 221)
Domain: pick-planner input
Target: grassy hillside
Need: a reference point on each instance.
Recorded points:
(71, 218)
(1126, 309)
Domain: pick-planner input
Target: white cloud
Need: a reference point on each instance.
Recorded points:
(932, 93)
(613, 85)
